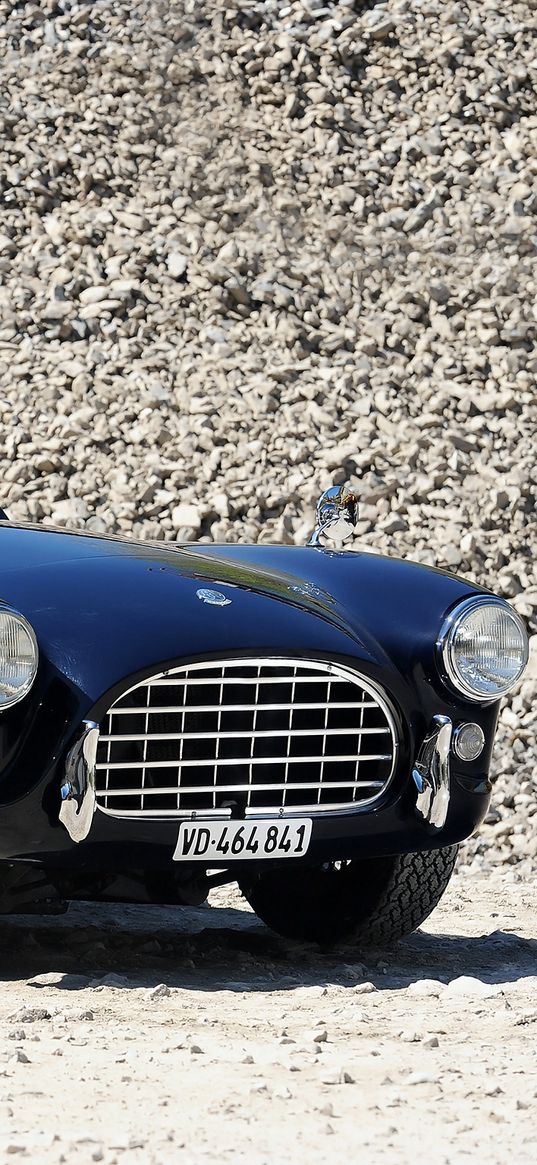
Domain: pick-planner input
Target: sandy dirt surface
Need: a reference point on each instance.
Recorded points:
(133, 1035)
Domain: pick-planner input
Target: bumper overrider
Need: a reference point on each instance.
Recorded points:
(431, 775)
(78, 802)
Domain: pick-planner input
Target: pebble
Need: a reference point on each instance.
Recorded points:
(176, 264)
(84, 1014)
(159, 992)
(110, 980)
(186, 516)
(339, 1076)
(467, 985)
(410, 1037)
(47, 979)
(30, 1014)
(431, 988)
(20, 1056)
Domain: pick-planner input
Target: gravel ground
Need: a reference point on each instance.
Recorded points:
(248, 249)
(208, 1039)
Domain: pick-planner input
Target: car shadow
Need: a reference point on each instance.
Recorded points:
(207, 949)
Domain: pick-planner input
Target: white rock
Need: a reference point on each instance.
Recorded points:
(468, 986)
(426, 987)
(176, 264)
(421, 1078)
(186, 515)
(70, 511)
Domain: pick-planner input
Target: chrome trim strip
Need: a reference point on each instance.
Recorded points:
(163, 790)
(431, 773)
(235, 762)
(261, 681)
(231, 735)
(294, 672)
(340, 809)
(78, 790)
(232, 707)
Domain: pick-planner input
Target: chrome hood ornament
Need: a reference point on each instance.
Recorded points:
(337, 514)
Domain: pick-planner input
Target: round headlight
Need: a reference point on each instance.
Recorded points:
(18, 658)
(484, 648)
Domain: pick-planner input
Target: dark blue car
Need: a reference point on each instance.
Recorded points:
(315, 724)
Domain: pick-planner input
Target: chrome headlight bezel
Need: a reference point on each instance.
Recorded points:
(447, 641)
(7, 701)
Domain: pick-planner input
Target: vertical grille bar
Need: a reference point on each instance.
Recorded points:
(357, 769)
(252, 743)
(217, 746)
(108, 759)
(289, 738)
(181, 742)
(146, 742)
(323, 752)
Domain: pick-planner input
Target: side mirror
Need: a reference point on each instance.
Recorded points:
(337, 514)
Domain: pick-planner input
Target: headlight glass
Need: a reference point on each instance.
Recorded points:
(484, 648)
(18, 658)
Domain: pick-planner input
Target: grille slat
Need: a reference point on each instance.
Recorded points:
(169, 681)
(220, 761)
(238, 788)
(305, 749)
(244, 735)
(229, 708)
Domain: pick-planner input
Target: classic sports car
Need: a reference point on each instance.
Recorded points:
(315, 724)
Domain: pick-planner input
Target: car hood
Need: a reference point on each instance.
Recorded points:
(103, 608)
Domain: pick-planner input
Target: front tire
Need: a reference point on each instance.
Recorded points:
(373, 901)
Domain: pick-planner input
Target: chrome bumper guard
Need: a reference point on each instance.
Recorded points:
(78, 790)
(431, 773)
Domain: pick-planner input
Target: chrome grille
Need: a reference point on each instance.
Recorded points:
(246, 737)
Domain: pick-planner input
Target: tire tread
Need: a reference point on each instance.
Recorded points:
(415, 888)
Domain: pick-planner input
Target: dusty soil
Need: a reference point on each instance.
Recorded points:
(146, 1035)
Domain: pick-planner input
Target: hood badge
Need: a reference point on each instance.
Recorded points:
(214, 598)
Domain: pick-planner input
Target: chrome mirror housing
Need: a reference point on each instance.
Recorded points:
(337, 514)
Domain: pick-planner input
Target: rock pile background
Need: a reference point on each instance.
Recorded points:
(249, 249)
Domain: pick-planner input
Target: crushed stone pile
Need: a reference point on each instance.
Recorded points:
(249, 249)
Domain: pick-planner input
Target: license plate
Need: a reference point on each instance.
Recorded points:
(232, 841)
